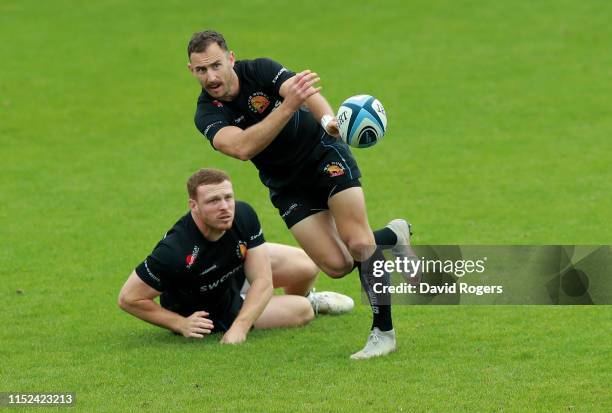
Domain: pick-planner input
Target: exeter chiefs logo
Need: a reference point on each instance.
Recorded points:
(334, 169)
(241, 250)
(259, 102)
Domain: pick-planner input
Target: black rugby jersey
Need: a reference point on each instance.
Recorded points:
(260, 80)
(186, 262)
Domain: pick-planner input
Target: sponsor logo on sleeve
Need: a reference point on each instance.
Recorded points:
(212, 125)
(280, 72)
(256, 235)
(156, 278)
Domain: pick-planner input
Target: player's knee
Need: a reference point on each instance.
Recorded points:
(310, 269)
(337, 268)
(359, 245)
(306, 314)
(304, 267)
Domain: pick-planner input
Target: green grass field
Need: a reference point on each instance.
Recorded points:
(500, 118)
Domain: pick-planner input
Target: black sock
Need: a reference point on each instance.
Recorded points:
(385, 237)
(380, 303)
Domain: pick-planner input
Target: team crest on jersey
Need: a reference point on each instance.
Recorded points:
(241, 250)
(192, 257)
(259, 102)
(334, 169)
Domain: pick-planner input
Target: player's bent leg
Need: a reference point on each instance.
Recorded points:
(285, 311)
(318, 236)
(296, 273)
(292, 269)
(349, 211)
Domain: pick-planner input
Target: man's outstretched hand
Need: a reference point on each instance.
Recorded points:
(196, 325)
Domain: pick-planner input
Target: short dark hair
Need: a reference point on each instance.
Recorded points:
(205, 176)
(201, 40)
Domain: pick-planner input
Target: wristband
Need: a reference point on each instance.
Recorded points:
(325, 121)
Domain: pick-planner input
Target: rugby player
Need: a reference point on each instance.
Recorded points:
(214, 272)
(260, 111)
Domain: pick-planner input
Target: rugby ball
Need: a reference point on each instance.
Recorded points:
(362, 121)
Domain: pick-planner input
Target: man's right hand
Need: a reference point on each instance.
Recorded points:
(299, 88)
(196, 325)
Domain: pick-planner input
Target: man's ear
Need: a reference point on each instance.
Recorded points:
(193, 205)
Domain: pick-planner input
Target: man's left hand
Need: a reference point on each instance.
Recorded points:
(233, 336)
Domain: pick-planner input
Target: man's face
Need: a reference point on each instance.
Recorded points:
(215, 205)
(214, 68)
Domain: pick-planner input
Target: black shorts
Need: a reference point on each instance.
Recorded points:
(330, 169)
(222, 314)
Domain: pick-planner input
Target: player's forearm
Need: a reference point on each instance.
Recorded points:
(319, 106)
(151, 312)
(255, 302)
(256, 138)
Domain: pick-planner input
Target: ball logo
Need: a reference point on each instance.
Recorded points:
(342, 117)
(259, 102)
(378, 107)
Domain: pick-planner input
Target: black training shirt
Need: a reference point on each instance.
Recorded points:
(260, 80)
(186, 262)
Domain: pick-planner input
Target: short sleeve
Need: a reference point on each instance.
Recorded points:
(271, 74)
(249, 224)
(160, 268)
(210, 118)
